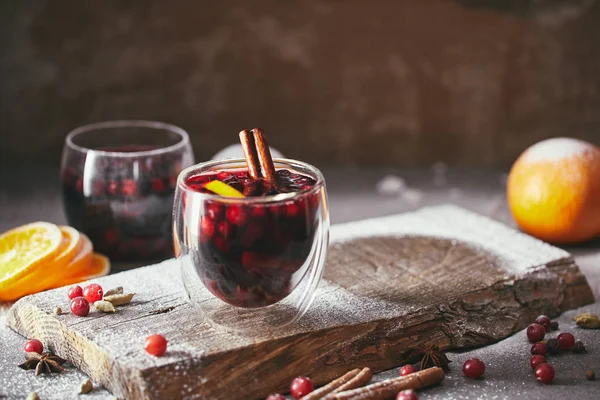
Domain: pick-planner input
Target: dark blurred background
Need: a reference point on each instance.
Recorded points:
(331, 82)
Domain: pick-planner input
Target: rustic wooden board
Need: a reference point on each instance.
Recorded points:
(440, 275)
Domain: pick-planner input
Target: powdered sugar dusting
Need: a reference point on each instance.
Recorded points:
(557, 149)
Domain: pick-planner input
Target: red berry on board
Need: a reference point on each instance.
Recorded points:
(275, 397)
(93, 292)
(301, 386)
(34, 346)
(544, 373)
(539, 348)
(566, 340)
(156, 345)
(75, 291)
(535, 332)
(80, 306)
(473, 368)
(407, 370)
(409, 394)
(545, 321)
(536, 360)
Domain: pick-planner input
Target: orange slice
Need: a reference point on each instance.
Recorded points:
(223, 189)
(44, 275)
(100, 266)
(82, 260)
(24, 248)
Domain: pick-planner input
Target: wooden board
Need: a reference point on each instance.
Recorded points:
(440, 275)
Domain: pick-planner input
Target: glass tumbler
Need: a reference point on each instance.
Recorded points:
(262, 270)
(119, 181)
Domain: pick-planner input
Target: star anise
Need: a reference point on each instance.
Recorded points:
(43, 363)
(426, 356)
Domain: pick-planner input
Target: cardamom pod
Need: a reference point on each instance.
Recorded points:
(119, 299)
(32, 396)
(588, 321)
(86, 386)
(105, 306)
(117, 290)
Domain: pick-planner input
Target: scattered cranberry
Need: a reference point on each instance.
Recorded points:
(80, 306)
(473, 368)
(553, 346)
(156, 345)
(93, 292)
(301, 386)
(34, 346)
(535, 332)
(407, 370)
(539, 348)
(407, 395)
(536, 360)
(545, 321)
(544, 373)
(75, 291)
(275, 397)
(566, 340)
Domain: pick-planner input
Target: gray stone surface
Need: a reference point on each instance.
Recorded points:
(32, 194)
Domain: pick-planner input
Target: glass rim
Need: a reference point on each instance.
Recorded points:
(184, 138)
(282, 197)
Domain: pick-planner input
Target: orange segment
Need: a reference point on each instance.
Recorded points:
(223, 189)
(24, 248)
(100, 266)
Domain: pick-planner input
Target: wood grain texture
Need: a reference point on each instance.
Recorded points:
(440, 275)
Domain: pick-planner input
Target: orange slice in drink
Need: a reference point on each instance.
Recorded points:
(223, 189)
(25, 248)
(100, 266)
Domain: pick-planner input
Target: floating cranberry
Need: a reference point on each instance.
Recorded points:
(236, 214)
(207, 227)
(535, 332)
(223, 175)
(80, 306)
(566, 340)
(93, 292)
(241, 174)
(226, 229)
(158, 185)
(539, 348)
(292, 210)
(215, 210)
(544, 373)
(301, 386)
(98, 188)
(129, 187)
(473, 368)
(155, 345)
(79, 185)
(275, 397)
(34, 346)
(407, 370)
(258, 212)
(545, 321)
(113, 188)
(409, 394)
(536, 360)
(75, 291)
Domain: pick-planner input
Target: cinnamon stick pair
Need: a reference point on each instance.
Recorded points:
(258, 155)
(351, 380)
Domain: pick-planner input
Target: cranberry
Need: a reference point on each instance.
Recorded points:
(34, 346)
(276, 396)
(80, 306)
(545, 321)
(158, 186)
(223, 175)
(544, 373)
(292, 210)
(93, 292)
(258, 212)
(207, 227)
(409, 394)
(407, 370)
(156, 345)
(473, 368)
(539, 348)
(226, 229)
(79, 185)
(566, 340)
(214, 210)
(113, 188)
(535, 332)
(98, 188)
(129, 187)
(75, 291)
(301, 386)
(536, 360)
(236, 214)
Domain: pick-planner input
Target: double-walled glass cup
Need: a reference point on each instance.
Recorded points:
(119, 181)
(252, 262)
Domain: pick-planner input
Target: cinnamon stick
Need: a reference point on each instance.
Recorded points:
(389, 388)
(265, 160)
(250, 153)
(350, 380)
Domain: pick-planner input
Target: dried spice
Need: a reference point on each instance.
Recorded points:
(554, 325)
(553, 346)
(43, 363)
(117, 290)
(32, 396)
(425, 356)
(58, 311)
(119, 299)
(85, 387)
(587, 321)
(590, 375)
(578, 347)
(105, 306)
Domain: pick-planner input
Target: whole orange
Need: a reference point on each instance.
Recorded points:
(554, 190)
